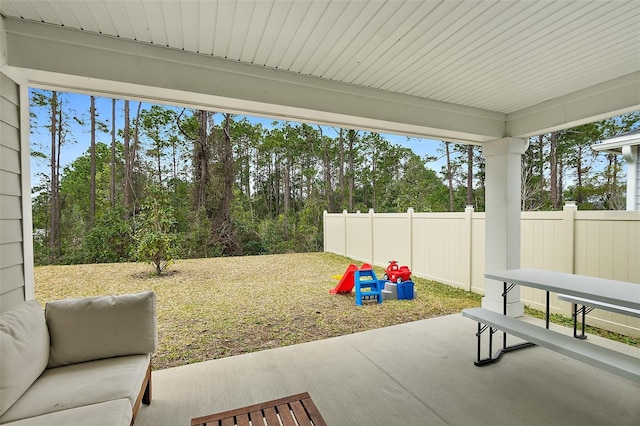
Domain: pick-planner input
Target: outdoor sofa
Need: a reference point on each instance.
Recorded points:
(80, 362)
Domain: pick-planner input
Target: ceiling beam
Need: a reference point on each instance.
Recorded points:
(52, 56)
(604, 100)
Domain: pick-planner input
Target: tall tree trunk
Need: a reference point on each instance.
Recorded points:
(174, 158)
(112, 192)
(469, 201)
(201, 155)
(449, 176)
(614, 204)
(159, 164)
(228, 233)
(351, 135)
(133, 153)
(560, 181)
(227, 159)
(287, 197)
(326, 171)
(54, 225)
(541, 162)
(374, 170)
(127, 158)
(553, 169)
(579, 176)
(269, 190)
(610, 175)
(341, 169)
(92, 174)
(276, 183)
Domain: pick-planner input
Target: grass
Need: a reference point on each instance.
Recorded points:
(219, 307)
(568, 322)
(213, 308)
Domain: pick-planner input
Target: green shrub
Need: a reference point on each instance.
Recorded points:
(155, 241)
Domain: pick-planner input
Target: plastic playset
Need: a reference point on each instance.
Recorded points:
(396, 284)
(396, 273)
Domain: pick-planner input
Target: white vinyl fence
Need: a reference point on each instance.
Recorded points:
(450, 248)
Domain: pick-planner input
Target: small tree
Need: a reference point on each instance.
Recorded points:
(155, 241)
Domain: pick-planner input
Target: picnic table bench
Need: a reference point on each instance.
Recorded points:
(616, 293)
(589, 305)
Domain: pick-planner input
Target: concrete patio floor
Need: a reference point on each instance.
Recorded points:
(420, 373)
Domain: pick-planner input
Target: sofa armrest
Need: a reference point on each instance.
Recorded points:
(101, 327)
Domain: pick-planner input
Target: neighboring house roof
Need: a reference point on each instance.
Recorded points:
(614, 145)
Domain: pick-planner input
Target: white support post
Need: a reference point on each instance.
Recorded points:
(468, 248)
(410, 219)
(567, 258)
(631, 155)
(324, 231)
(502, 225)
(344, 232)
(372, 236)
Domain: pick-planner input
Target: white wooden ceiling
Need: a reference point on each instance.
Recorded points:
(496, 56)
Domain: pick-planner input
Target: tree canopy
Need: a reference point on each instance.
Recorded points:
(200, 183)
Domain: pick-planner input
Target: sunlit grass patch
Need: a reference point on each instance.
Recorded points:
(218, 307)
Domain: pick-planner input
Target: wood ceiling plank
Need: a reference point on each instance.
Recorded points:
(120, 19)
(207, 20)
(471, 42)
(376, 30)
(173, 24)
(536, 46)
(380, 47)
(292, 34)
(189, 17)
(341, 50)
(136, 15)
(429, 49)
(417, 39)
(225, 15)
(154, 17)
(315, 45)
(275, 21)
(300, 49)
(83, 15)
(241, 28)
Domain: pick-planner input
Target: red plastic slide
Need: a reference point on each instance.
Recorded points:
(345, 285)
(346, 282)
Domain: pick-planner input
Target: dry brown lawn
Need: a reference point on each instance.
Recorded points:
(214, 308)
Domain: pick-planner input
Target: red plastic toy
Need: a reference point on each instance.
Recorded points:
(397, 273)
(347, 282)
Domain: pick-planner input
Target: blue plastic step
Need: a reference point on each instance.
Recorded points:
(372, 286)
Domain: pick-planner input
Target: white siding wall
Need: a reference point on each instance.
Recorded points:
(637, 177)
(12, 277)
(449, 248)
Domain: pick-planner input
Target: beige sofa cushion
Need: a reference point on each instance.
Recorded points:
(24, 351)
(111, 413)
(101, 327)
(77, 385)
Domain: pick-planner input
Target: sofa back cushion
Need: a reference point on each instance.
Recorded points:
(24, 351)
(101, 327)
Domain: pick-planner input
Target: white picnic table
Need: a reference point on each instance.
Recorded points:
(619, 293)
(599, 291)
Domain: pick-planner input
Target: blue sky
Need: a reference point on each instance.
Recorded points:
(41, 139)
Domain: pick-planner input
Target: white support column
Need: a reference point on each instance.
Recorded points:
(502, 223)
(631, 155)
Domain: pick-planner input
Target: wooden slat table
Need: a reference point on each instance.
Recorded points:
(292, 410)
